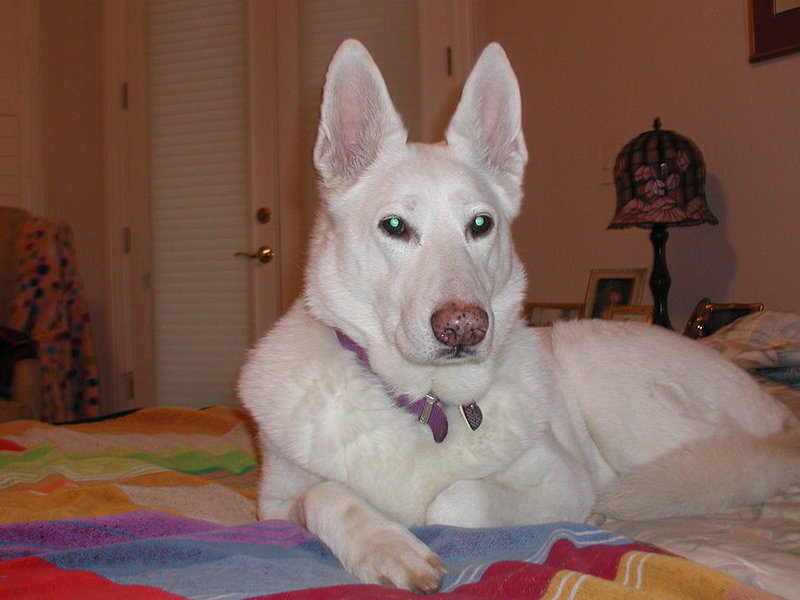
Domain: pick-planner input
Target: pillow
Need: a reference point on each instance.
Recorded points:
(767, 342)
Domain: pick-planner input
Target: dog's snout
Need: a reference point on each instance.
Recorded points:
(457, 324)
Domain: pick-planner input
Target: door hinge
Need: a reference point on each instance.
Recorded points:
(449, 61)
(127, 381)
(123, 95)
(126, 240)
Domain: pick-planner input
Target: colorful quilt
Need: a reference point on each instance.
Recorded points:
(160, 503)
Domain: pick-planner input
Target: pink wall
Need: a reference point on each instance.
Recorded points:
(72, 145)
(594, 77)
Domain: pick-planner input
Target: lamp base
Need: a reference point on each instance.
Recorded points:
(660, 280)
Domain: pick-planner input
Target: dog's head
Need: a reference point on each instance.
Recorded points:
(412, 253)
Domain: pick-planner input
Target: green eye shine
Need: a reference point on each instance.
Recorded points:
(480, 225)
(394, 226)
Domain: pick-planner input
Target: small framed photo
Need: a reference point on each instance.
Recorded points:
(634, 312)
(544, 314)
(612, 287)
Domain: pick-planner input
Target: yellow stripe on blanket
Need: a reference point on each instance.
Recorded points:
(214, 421)
(645, 576)
(191, 498)
(663, 576)
(65, 503)
(572, 585)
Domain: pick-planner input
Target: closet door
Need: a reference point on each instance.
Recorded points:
(310, 31)
(200, 201)
(232, 94)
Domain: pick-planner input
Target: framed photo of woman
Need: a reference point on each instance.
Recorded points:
(612, 287)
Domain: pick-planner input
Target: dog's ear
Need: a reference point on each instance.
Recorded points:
(487, 125)
(357, 118)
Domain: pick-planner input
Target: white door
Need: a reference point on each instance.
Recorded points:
(232, 97)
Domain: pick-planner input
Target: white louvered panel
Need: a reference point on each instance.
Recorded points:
(10, 89)
(10, 183)
(198, 132)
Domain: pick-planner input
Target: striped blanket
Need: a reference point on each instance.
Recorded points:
(160, 503)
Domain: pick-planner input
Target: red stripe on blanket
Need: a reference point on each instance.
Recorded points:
(598, 560)
(507, 580)
(346, 592)
(511, 580)
(9, 445)
(32, 578)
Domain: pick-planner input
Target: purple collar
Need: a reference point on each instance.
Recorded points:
(426, 409)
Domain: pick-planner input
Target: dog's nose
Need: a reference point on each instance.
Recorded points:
(457, 324)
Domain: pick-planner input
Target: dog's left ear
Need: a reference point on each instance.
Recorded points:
(487, 125)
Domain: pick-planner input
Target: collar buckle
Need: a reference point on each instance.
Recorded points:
(427, 409)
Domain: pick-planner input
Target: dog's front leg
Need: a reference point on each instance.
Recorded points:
(542, 485)
(371, 547)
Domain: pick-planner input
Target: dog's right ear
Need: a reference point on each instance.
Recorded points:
(357, 118)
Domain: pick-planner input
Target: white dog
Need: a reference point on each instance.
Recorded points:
(403, 389)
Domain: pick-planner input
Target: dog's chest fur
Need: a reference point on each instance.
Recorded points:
(350, 430)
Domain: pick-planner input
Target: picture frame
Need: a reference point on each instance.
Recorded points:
(707, 317)
(774, 27)
(635, 312)
(610, 287)
(544, 314)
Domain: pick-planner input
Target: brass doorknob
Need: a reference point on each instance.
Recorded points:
(263, 254)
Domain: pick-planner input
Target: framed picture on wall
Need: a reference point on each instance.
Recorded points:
(612, 287)
(774, 27)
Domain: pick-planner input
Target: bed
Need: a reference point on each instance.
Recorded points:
(160, 503)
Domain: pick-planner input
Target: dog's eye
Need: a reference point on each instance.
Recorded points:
(480, 225)
(394, 226)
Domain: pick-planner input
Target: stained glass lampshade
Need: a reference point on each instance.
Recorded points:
(660, 179)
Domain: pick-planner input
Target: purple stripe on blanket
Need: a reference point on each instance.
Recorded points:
(39, 537)
(274, 533)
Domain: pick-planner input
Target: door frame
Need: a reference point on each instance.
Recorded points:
(267, 146)
(128, 218)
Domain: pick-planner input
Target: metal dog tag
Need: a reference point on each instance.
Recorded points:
(472, 415)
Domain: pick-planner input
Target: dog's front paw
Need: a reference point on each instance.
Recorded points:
(398, 559)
